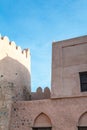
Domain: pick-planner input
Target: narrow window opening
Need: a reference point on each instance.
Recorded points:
(42, 128)
(82, 128)
(83, 81)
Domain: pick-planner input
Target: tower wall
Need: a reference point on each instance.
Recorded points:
(69, 58)
(15, 81)
(15, 78)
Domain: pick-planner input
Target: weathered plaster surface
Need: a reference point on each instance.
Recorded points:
(15, 81)
(63, 113)
(68, 59)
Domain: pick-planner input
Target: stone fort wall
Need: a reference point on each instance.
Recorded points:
(67, 107)
(69, 58)
(40, 94)
(60, 114)
(15, 80)
(14, 69)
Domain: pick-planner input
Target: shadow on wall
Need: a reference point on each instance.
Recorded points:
(14, 80)
(39, 94)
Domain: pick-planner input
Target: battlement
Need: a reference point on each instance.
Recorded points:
(15, 69)
(12, 44)
(40, 94)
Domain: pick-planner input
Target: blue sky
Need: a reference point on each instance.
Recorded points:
(35, 24)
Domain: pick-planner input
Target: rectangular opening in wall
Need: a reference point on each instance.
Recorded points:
(82, 128)
(42, 128)
(83, 81)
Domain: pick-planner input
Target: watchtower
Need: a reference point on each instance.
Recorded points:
(15, 80)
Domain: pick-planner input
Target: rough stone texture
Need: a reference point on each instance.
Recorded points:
(68, 59)
(14, 78)
(5, 114)
(14, 70)
(63, 113)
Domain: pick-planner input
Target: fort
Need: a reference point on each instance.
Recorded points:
(62, 108)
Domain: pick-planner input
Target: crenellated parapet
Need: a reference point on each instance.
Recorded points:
(41, 94)
(15, 78)
(15, 73)
(9, 48)
(13, 45)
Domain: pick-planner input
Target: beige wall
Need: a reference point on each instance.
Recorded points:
(5, 114)
(64, 114)
(15, 80)
(14, 69)
(68, 59)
